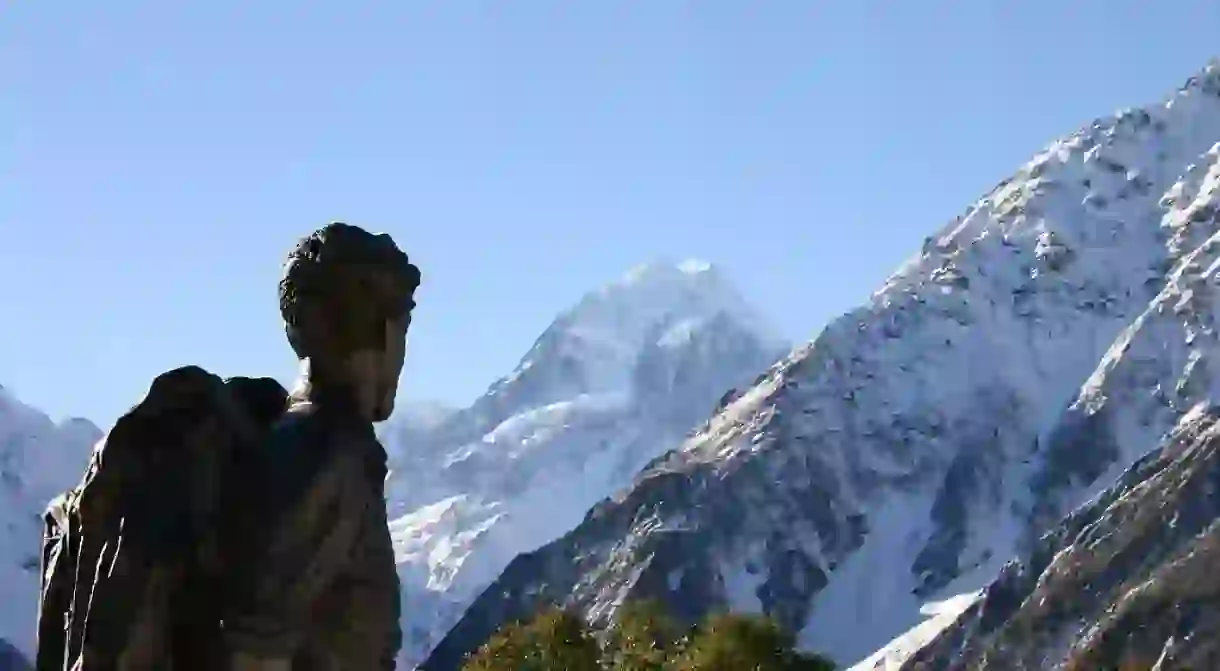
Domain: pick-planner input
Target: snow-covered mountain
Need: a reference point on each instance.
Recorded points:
(38, 459)
(613, 383)
(1035, 347)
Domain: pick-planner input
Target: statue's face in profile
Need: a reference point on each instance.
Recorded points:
(390, 369)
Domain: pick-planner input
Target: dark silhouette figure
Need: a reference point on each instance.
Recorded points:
(316, 586)
(227, 524)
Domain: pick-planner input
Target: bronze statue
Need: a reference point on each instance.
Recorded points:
(319, 588)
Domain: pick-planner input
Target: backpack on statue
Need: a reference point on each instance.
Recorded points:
(134, 558)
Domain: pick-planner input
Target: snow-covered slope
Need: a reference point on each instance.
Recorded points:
(616, 381)
(38, 459)
(1038, 343)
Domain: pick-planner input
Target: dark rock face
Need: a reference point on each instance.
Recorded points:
(973, 475)
(1079, 452)
(1128, 579)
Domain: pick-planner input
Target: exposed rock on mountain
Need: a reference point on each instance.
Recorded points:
(613, 383)
(1040, 343)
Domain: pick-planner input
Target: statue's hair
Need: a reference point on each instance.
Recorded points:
(340, 285)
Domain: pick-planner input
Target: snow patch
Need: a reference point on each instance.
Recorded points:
(940, 614)
(694, 266)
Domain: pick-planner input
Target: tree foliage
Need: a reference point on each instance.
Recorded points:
(555, 639)
(644, 637)
(729, 642)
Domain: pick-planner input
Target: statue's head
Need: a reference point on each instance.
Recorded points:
(346, 298)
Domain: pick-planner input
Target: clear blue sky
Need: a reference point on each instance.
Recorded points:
(158, 159)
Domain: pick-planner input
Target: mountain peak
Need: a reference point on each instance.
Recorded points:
(653, 294)
(600, 337)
